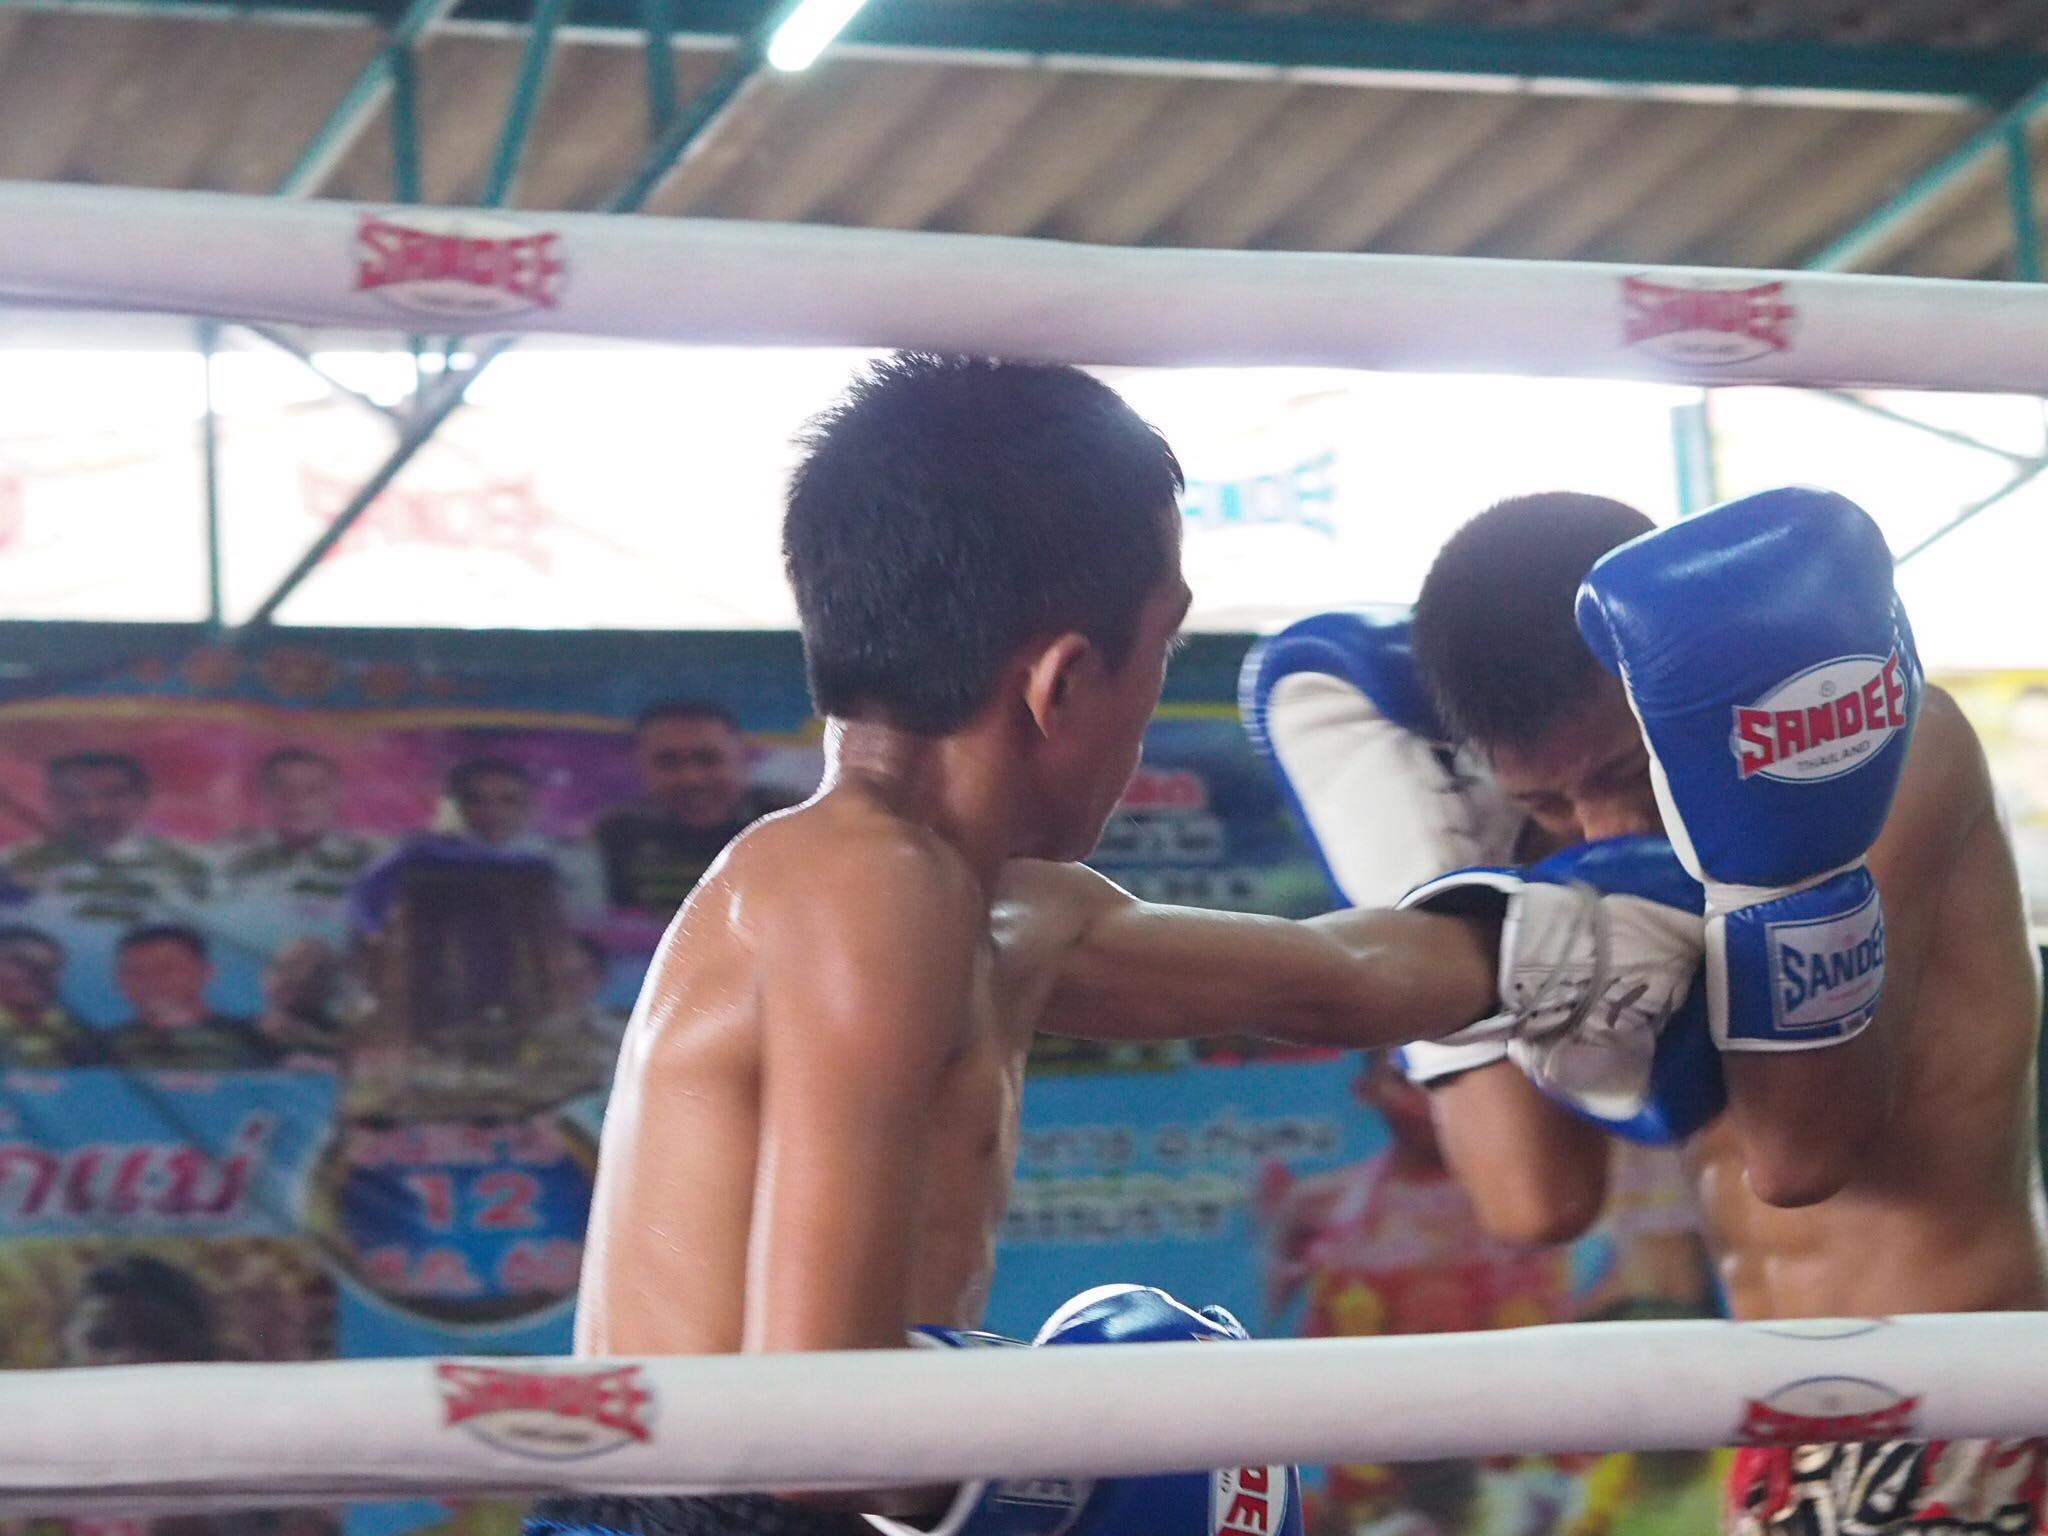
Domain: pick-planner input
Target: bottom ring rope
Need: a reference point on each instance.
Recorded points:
(172, 1437)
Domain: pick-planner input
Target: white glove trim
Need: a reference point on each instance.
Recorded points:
(1384, 809)
(1428, 1062)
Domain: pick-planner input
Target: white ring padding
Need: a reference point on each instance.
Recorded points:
(208, 1436)
(746, 283)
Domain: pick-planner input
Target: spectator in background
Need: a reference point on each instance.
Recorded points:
(692, 762)
(139, 1310)
(163, 971)
(494, 805)
(36, 1030)
(306, 990)
(292, 875)
(97, 865)
(1391, 1244)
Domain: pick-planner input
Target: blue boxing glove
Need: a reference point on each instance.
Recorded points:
(1018, 1506)
(1769, 662)
(1599, 954)
(1242, 1501)
(1334, 703)
(1236, 1501)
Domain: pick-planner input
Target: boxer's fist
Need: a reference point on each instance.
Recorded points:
(1769, 661)
(1600, 949)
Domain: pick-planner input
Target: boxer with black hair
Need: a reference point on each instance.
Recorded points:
(812, 1133)
(1744, 682)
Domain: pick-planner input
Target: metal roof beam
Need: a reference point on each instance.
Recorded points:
(359, 104)
(1889, 222)
(668, 152)
(1359, 49)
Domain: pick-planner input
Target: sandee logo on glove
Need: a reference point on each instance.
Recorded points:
(1823, 722)
(1249, 1501)
(1830, 970)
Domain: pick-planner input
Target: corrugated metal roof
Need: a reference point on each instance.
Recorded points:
(1081, 149)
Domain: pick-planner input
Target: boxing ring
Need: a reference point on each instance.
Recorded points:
(166, 1438)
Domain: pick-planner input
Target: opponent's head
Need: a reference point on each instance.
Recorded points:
(993, 547)
(1498, 646)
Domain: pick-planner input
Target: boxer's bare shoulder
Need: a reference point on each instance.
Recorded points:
(819, 1088)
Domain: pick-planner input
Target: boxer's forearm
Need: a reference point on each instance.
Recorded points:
(1536, 1172)
(1359, 979)
(1407, 976)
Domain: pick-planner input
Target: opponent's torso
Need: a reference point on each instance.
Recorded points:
(666, 1255)
(1946, 1216)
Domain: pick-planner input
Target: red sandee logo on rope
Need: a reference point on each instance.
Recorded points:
(1706, 320)
(457, 264)
(1828, 1410)
(551, 1415)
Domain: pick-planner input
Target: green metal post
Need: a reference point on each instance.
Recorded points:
(1901, 419)
(519, 115)
(405, 182)
(209, 470)
(405, 129)
(426, 421)
(1692, 449)
(311, 364)
(672, 146)
(659, 18)
(334, 138)
(2019, 190)
(2029, 473)
(1868, 234)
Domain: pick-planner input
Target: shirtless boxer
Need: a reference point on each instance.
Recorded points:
(1885, 1169)
(812, 1133)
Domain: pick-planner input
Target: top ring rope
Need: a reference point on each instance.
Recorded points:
(201, 1436)
(744, 283)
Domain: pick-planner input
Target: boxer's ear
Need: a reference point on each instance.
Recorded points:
(1054, 677)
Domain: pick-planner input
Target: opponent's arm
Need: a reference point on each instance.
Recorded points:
(1792, 1155)
(1768, 659)
(1535, 1171)
(865, 974)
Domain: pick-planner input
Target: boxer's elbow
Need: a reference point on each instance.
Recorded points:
(1793, 1156)
(1536, 1174)
(1536, 1196)
(1542, 1213)
(1789, 1173)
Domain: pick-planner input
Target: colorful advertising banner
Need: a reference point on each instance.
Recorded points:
(315, 954)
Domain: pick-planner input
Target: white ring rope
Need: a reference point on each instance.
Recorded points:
(738, 282)
(162, 1437)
